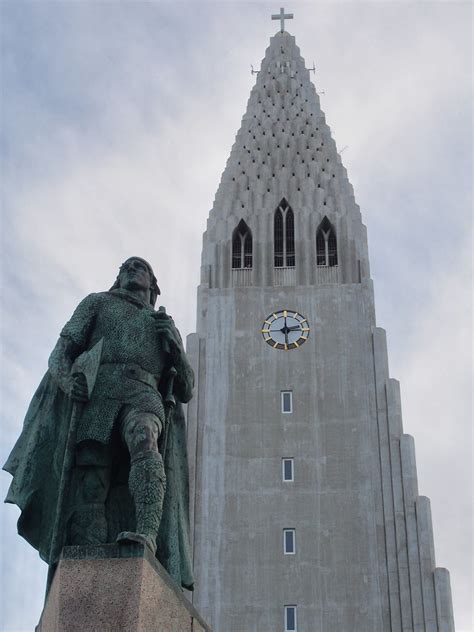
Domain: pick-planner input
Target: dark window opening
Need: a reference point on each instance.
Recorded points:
(290, 618)
(288, 470)
(278, 239)
(289, 541)
(326, 245)
(242, 246)
(286, 401)
(284, 236)
(290, 238)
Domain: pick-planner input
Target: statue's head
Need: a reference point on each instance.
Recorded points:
(137, 274)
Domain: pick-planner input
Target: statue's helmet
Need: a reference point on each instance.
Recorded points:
(154, 289)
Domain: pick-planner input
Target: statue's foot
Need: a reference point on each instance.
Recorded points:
(131, 536)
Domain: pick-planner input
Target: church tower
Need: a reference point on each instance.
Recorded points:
(304, 500)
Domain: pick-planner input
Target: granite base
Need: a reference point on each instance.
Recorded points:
(119, 588)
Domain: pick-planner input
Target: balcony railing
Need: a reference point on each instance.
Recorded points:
(241, 277)
(284, 276)
(327, 274)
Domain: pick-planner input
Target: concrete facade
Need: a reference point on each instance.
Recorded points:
(364, 559)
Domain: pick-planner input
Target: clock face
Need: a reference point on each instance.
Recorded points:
(285, 329)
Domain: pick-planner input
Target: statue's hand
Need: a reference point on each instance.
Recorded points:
(77, 388)
(166, 329)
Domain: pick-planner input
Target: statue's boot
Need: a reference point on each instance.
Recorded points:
(147, 485)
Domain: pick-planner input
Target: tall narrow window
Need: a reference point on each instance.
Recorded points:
(326, 245)
(278, 238)
(288, 470)
(289, 542)
(290, 619)
(284, 236)
(242, 246)
(286, 402)
(290, 238)
(247, 249)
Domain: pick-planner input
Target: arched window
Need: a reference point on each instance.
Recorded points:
(326, 245)
(284, 236)
(278, 238)
(242, 246)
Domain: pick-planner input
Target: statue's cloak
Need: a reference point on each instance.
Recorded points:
(36, 464)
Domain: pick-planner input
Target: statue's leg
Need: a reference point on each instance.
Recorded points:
(92, 479)
(147, 481)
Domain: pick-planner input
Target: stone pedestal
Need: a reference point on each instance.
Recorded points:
(115, 588)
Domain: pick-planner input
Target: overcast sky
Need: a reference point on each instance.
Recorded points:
(117, 121)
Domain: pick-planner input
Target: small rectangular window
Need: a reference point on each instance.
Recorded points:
(286, 402)
(289, 542)
(290, 619)
(288, 470)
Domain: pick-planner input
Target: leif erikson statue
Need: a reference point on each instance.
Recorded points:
(102, 455)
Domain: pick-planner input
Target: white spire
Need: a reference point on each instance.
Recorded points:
(284, 147)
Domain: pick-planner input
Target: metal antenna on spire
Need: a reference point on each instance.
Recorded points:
(254, 72)
(282, 16)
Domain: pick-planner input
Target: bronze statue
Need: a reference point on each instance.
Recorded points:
(102, 455)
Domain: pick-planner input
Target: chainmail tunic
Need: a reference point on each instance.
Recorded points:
(128, 329)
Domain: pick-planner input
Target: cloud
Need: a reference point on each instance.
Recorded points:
(117, 125)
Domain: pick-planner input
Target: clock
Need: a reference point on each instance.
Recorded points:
(285, 329)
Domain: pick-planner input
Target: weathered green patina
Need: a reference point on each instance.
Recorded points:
(102, 455)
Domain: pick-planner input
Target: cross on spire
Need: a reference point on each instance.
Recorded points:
(282, 16)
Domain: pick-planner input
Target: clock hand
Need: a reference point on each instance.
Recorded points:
(294, 328)
(285, 331)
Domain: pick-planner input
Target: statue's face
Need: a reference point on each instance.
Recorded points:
(134, 276)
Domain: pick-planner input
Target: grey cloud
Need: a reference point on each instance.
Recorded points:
(118, 123)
